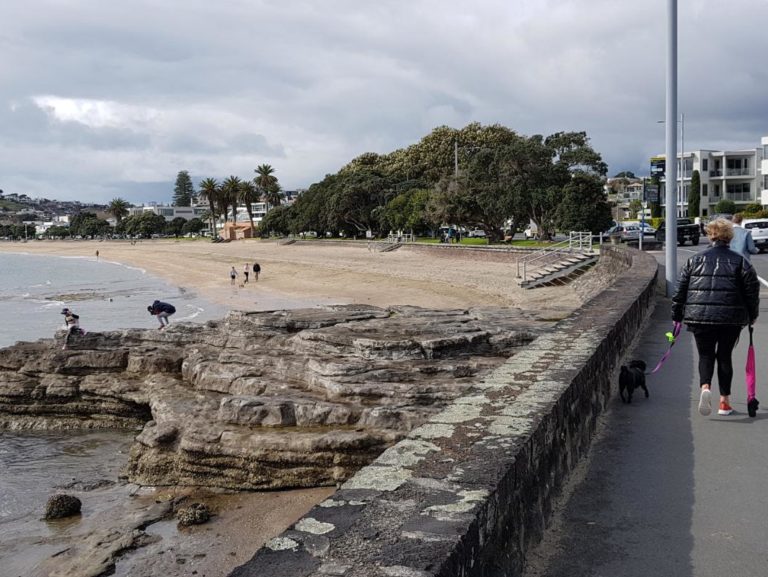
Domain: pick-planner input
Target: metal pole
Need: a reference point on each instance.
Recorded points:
(671, 154)
(682, 162)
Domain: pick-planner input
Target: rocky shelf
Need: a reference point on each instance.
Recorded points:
(261, 400)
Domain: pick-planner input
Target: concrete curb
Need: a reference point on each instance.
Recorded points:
(471, 490)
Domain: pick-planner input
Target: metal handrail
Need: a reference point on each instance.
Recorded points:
(576, 242)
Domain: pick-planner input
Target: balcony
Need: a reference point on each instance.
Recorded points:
(715, 173)
(738, 172)
(739, 196)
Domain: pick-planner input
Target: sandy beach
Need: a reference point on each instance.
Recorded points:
(308, 274)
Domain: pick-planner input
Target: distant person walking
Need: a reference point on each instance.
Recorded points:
(717, 294)
(233, 276)
(72, 326)
(97, 255)
(246, 272)
(162, 311)
(256, 271)
(742, 242)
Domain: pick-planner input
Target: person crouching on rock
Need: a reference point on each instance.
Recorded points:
(72, 326)
(162, 311)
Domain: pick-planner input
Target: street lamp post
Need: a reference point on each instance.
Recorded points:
(671, 146)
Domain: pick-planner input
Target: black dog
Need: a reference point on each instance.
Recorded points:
(632, 377)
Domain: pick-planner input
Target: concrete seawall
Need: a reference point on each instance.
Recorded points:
(468, 493)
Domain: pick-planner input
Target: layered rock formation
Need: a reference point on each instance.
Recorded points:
(261, 400)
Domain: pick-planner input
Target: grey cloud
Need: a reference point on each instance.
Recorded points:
(309, 85)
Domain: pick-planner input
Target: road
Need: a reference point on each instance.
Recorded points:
(665, 491)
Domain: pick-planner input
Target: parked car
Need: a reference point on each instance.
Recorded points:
(647, 228)
(758, 228)
(687, 230)
(477, 233)
(625, 232)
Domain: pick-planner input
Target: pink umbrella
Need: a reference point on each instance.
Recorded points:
(752, 402)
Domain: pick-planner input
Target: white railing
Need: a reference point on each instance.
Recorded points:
(577, 242)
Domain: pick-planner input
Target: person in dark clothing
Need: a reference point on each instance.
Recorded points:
(717, 294)
(162, 311)
(72, 325)
(256, 271)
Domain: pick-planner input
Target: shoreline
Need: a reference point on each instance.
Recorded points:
(303, 275)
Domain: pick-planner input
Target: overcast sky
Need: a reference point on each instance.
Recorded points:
(101, 99)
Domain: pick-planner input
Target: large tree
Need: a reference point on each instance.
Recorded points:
(584, 206)
(118, 208)
(267, 184)
(209, 191)
(249, 195)
(230, 190)
(694, 195)
(184, 190)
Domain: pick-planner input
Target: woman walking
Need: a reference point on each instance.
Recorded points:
(232, 276)
(246, 272)
(718, 293)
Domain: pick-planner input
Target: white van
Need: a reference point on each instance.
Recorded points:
(758, 227)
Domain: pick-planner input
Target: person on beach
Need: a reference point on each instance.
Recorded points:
(256, 271)
(97, 255)
(246, 272)
(72, 326)
(162, 311)
(742, 242)
(233, 276)
(718, 293)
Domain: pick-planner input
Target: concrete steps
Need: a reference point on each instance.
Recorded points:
(561, 272)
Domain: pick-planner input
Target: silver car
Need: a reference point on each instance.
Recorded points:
(758, 227)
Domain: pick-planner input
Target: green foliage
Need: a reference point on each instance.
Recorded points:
(142, 225)
(267, 184)
(635, 207)
(184, 189)
(249, 195)
(88, 224)
(193, 225)
(209, 192)
(694, 195)
(118, 208)
(278, 221)
(656, 221)
(584, 206)
(501, 176)
(753, 208)
(176, 226)
(229, 195)
(57, 232)
(625, 174)
(725, 206)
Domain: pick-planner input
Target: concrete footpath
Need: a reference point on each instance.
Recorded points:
(666, 491)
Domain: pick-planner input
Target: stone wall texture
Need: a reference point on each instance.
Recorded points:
(467, 493)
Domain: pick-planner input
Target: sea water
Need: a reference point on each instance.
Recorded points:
(107, 296)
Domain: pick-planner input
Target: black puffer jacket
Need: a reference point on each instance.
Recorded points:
(717, 287)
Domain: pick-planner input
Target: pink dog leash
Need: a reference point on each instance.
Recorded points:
(672, 337)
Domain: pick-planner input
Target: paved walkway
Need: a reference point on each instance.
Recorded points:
(665, 491)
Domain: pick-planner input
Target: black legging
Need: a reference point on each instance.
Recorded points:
(716, 342)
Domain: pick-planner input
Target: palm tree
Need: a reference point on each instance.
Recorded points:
(209, 190)
(118, 208)
(267, 183)
(248, 195)
(230, 188)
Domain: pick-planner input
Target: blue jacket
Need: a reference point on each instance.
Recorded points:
(742, 242)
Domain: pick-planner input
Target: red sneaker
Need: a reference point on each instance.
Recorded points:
(725, 409)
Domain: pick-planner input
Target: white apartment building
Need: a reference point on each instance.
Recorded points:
(737, 175)
(169, 212)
